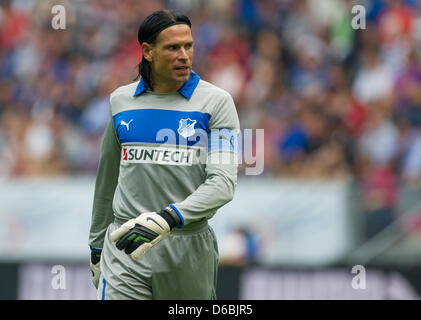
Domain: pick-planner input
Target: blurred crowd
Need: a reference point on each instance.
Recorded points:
(336, 97)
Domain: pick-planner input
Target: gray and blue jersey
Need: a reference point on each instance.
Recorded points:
(163, 149)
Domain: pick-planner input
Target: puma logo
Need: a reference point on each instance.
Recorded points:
(124, 123)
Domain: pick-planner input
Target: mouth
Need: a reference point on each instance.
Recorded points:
(182, 69)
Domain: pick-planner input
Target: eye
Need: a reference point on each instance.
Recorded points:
(189, 46)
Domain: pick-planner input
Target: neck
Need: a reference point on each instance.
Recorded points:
(166, 87)
(162, 85)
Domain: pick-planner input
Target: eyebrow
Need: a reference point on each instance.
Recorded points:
(177, 43)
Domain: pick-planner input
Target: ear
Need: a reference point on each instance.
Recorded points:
(147, 51)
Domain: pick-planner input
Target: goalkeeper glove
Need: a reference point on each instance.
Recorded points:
(138, 235)
(95, 266)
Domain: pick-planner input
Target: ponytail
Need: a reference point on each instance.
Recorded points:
(144, 71)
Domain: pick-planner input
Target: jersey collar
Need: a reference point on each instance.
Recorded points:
(186, 90)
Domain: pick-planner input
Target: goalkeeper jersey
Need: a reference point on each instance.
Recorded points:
(161, 149)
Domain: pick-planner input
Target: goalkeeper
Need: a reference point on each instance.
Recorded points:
(168, 163)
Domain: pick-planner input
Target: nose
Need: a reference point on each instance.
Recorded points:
(183, 54)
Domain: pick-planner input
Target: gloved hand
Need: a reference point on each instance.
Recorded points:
(138, 235)
(95, 266)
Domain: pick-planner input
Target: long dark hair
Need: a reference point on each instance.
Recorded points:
(149, 30)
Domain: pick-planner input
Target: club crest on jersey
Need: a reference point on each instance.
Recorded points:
(186, 127)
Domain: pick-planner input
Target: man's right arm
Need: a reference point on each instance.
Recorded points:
(106, 182)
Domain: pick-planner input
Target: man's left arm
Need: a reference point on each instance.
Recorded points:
(221, 168)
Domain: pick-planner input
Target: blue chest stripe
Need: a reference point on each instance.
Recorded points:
(162, 126)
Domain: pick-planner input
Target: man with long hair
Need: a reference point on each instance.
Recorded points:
(155, 191)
